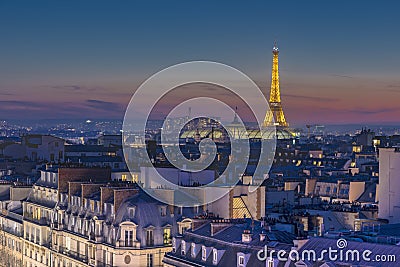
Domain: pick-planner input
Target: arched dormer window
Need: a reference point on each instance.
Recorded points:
(128, 234)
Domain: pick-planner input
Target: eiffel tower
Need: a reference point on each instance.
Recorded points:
(275, 116)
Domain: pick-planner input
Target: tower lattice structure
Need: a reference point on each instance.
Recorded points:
(275, 115)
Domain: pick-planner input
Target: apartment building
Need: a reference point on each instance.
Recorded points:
(11, 224)
(75, 217)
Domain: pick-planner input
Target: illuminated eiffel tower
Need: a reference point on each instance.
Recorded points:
(275, 116)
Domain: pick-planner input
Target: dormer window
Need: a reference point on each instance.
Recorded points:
(193, 250)
(163, 211)
(167, 236)
(129, 238)
(131, 211)
(215, 256)
(173, 245)
(203, 253)
(183, 248)
(112, 209)
(240, 261)
(149, 238)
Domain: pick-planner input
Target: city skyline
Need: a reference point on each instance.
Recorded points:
(83, 60)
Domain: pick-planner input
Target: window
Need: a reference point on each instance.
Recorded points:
(328, 189)
(37, 236)
(167, 236)
(215, 256)
(270, 263)
(163, 211)
(203, 253)
(131, 212)
(68, 243)
(128, 238)
(149, 260)
(173, 245)
(149, 238)
(241, 261)
(193, 250)
(123, 177)
(183, 248)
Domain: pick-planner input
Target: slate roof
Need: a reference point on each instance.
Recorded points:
(390, 230)
(365, 197)
(229, 240)
(320, 244)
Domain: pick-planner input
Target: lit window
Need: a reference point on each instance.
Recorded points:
(167, 236)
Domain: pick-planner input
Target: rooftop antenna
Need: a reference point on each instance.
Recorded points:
(275, 49)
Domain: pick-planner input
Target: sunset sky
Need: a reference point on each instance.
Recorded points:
(339, 61)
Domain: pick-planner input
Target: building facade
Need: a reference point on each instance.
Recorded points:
(389, 183)
(75, 217)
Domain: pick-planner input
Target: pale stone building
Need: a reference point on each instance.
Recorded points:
(68, 220)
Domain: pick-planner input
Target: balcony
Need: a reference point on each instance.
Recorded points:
(41, 221)
(128, 244)
(102, 264)
(95, 237)
(57, 226)
(12, 231)
(75, 255)
(42, 201)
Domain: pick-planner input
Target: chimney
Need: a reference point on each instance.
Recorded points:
(73, 188)
(219, 225)
(105, 194)
(121, 194)
(263, 235)
(89, 189)
(246, 236)
(66, 175)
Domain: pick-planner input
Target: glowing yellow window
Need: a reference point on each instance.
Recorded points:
(167, 236)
